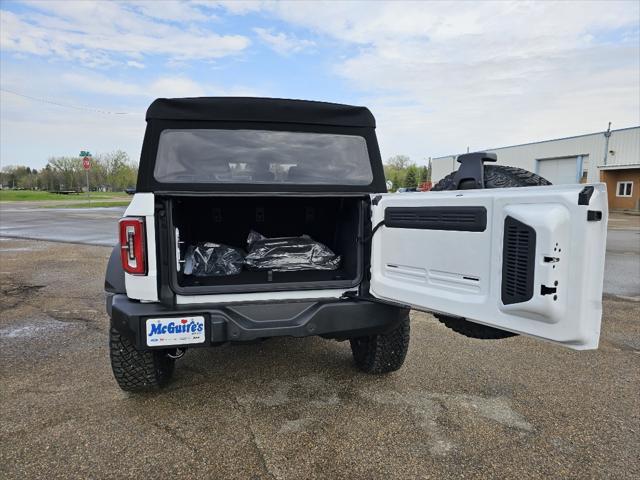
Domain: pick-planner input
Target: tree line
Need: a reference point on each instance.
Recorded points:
(112, 171)
(402, 172)
(115, 171)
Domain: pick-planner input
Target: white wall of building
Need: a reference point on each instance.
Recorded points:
(585, 152)
(625, 145)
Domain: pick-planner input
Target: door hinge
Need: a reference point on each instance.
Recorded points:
(353, 295)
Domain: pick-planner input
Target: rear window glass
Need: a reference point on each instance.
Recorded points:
(261, 156)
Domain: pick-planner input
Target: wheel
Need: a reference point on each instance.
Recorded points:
(137, 371)
(495, 176)
(382, 353)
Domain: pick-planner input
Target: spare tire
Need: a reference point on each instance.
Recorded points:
(495, 176)
(499, 176)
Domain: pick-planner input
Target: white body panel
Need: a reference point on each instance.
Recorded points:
(144, 287)
(460, 272)
(259, 296)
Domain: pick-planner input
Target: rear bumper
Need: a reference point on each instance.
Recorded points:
(333, 318)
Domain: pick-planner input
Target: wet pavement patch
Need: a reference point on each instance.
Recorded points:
(21, 290)
(13, 293)
(26, 331)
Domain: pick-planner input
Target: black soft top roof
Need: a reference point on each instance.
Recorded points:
(251, 109)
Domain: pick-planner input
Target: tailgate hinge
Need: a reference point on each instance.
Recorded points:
(353, 295)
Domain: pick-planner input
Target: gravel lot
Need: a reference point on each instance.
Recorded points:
(289, 408)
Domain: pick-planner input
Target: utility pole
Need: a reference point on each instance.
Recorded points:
(607, 136)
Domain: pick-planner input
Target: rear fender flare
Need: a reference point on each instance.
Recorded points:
(114, 278)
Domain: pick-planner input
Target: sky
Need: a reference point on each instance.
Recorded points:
(440, 77)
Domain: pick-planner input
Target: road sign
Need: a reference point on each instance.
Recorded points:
(86, 164)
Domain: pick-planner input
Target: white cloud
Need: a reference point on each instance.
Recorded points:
(440, 76)
(176, 87)
(127, 95)
(134, 64)
(163, 86)
(173, 10)
(95, 83)
(235, 6)
(32, 131)
(78, 116)
(283, 43)
(96, 32)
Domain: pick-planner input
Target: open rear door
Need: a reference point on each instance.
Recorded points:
(528, 260)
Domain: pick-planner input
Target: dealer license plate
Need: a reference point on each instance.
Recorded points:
(163, 332)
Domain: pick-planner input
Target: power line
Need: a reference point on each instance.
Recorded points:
(66, 105)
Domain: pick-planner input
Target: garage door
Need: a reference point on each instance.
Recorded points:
(559, 170)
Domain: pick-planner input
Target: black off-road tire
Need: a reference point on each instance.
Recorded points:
(382, 353)
(137, 371)
(473, 330)
(499, 176)
(495, 176)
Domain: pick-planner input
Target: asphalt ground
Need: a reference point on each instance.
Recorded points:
(622, 262)
(297, 408)
(92, 226)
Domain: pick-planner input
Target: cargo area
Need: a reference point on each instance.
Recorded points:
(336, 222)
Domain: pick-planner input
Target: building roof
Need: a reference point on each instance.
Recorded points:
(541, 141)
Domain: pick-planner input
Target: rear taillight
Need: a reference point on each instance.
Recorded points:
(132, 243)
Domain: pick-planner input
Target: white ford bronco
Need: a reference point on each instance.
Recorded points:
(256, 218)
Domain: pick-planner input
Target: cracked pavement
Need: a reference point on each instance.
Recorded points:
(297, 408)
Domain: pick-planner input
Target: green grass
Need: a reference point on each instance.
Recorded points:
(90, 205)
(34, 195)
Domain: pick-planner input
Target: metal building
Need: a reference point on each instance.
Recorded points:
(612, 157)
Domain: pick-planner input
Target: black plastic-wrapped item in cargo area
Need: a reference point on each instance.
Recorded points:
(336, 223)
(288, 254)
(208, 259)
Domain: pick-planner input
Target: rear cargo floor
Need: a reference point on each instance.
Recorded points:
(335, 222)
